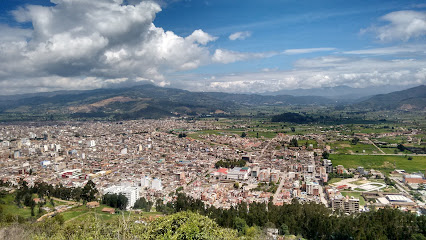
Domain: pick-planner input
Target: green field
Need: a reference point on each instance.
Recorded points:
(380, 162)
(345, 147)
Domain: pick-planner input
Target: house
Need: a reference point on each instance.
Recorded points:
(108, 210)
(92, 204)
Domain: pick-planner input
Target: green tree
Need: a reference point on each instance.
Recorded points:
(284, 229)
(240, 225)
(293, 143)
(243, 135)
(89, 191)
(325, 155)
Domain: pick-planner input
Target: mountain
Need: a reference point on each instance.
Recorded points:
(409, 99)
(143, 101)
(342, 93)
(256, 99)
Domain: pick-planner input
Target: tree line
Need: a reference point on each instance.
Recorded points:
(115, 200)
(42, 189)
(311, 220)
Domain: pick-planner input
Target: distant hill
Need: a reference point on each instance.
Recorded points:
(409, 99)
(342, 93)
(143, 101)
(256, 99)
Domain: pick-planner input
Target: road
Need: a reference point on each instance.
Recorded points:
(274, 200)
(400, 186)
(376, 146)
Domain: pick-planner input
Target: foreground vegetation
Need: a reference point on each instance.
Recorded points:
(185, 221)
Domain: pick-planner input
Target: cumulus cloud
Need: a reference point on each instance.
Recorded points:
(200, 37)
(401, 26)
(239, 35)
(9, 34)
(87, 41)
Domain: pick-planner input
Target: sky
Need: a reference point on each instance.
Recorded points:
(248, 46)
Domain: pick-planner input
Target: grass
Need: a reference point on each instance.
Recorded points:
(334, 180)
(355, 195)
(380, 162)
(10, 207)
(82, 213)
(345, 147)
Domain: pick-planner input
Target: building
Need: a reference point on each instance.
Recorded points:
(351, 205)
(345, 204)
(414, 178)
(312, 188)
(340, 169)
(328, 166)
(156, 184)
(131, 193)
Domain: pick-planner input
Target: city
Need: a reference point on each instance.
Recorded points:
(152, 158)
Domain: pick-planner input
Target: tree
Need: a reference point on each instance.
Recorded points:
(401, 147)
(293, 129)
(355, 141)
(122, 201)
(89, 191)
(182, 135)
(284, 230)
(32, 211)
(243, 135)
(293, 143)
(325, 155)
(241, 225)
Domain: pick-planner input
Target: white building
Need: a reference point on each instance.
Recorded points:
(123, 151)
(131, 193)
(238, 173)
(146, 182)
(156, 184)
(91, 143)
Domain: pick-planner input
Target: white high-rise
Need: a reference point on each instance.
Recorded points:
(131, 193)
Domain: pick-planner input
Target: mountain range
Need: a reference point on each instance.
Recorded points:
(341, 93)
(149, 101)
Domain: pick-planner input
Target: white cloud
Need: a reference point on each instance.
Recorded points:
(239, 35)
(307, 50)
(200, 37)
(402, 26)
(226, 56)
(89, 44)
(80, 41)
(317, 72)
(9, 34)
(408, 49)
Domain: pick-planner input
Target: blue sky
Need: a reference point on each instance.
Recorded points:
(213, 45)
